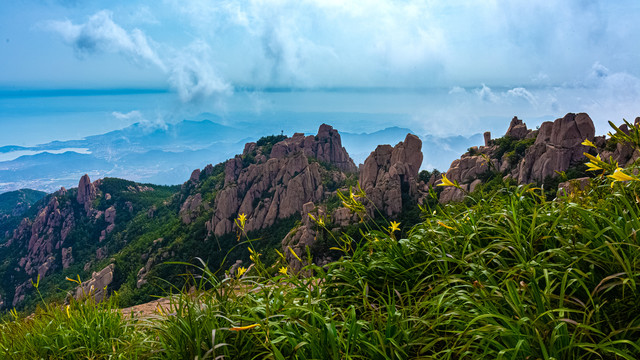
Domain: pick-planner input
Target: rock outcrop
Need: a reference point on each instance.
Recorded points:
(277, 187)
(191, 209)
(97, 285)
(47, 233)
(67, 257)
(326, 147)
(557, 147)
(391, 171)
(86, 192)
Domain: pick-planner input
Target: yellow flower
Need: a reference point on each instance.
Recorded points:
(283, 270)
(618, 175)
(395, 226)
(241, 270)
(242, 218)
(240, 328)
(593, 167)
(445, 181)
(68, 314)
(72, 280)
(586, 142)
(294, 254)
(445, 225)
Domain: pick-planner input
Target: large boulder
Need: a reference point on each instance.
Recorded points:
(557, 147)
(97, 285)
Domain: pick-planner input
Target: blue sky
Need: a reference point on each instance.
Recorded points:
(535, 59)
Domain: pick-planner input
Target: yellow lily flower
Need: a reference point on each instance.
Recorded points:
(593, 167)
(68, 314)
(445, 181)
(294, 254)
(445, 225)
(618, 175)
(242, 218)
(241, 328)
(586, 142)
(395, 226)
(283, 270)
(241, 270)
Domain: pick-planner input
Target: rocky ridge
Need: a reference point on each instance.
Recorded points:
(535, 155)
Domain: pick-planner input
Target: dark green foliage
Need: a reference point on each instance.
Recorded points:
(514, 149)
(425, 175)
(15, 203)
(267, 142)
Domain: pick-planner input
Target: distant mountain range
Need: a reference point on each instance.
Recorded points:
(166, 153)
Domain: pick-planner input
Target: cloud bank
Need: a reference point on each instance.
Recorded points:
(189, 70)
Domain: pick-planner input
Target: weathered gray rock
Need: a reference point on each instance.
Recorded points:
(101, 253)
(487, 138)
(390, 171)
(300, 238)
(67, 257)
(557, 147)
(277, 188)
(110, 215)
(21, 292)
(517, 129)
(190, 209)
(86, 192)
(97, 285)
(572, 186)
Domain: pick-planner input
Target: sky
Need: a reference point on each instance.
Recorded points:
(463, 63)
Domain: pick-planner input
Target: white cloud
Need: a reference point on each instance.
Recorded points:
(486, 94)
(523, 93)
(136, 117)
(190, 71)
(101, 35)
(192, 74)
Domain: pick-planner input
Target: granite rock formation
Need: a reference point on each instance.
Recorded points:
(277, 186)
(86, 192)
(557, 147)
(97, 285)
(391, 171)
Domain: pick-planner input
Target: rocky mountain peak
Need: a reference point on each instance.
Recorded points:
(271, 182)
(390, 171)
(326, 146)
